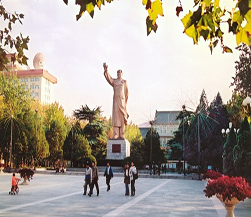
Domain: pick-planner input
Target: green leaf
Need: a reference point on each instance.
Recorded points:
(150, 25)
(227, 49)
(237, 17)
(242, 36)
(191, 32)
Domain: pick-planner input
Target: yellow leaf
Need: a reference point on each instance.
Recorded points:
(247, 28)
(248, 16)
(191, 32)
(155, 10)
(242, 36)
(217, 3)
(90, 9)
(144, 2)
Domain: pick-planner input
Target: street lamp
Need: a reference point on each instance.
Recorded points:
(183, 137)
(246, 104)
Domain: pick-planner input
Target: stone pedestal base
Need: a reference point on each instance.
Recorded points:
(118, 149)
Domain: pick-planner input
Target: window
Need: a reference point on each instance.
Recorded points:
(36, 94)
(26, 79)
(32, 87)
(22, 79)
(32, 94)
(36, 86)
(32, 79)
(26, 87)
(36, 79)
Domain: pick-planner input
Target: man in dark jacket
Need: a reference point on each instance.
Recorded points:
(108, 174)
(95, 177)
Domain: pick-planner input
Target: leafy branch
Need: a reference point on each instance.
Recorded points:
(20, 43)
(205, 21)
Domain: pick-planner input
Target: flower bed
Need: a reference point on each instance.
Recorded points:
(228, 188)
(211, 174)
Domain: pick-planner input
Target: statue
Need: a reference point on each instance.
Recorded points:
(119, 112)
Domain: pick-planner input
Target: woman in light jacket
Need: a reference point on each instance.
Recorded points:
(132, 171)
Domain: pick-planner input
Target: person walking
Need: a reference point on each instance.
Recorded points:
(108, 174)
(88, 179)
(127, 179)
(95, 177)
(132, 173)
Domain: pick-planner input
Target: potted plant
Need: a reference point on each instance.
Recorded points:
(229, 191)
(26, 174)
(211, 174)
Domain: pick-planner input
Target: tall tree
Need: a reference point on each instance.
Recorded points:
(56, 129)
(242, 151)
(157, 152)
(242, 79)
(219, 120)
(95, 130)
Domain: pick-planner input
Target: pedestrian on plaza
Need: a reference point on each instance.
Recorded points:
(127, 178)
(95, 177)
(88, 179)
(108, 174)
(165, 168)
(132, 173)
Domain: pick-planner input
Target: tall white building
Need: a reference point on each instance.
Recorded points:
(39, 81)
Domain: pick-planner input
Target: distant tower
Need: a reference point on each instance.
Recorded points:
(39, 61)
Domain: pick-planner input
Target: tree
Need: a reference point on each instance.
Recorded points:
(218, 120)
(228, 157)
(157, 152)
(242, 79)
(56, 129)
(242, 150)
(95, 130)
(16, 120)
(205, 21)
(7, 41)
(198, 133)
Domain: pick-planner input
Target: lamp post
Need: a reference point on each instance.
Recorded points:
(35, 152)
(183, 137)
(151, 146)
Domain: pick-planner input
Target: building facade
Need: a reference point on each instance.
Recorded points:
(39, 81)
(165, 124)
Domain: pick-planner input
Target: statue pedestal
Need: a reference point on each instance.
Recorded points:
(118, 149)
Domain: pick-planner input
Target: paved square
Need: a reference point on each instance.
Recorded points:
(62, 195)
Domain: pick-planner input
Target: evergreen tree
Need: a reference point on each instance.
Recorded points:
(242, 151)
(157, 152)
(242, 79)
(228, 160)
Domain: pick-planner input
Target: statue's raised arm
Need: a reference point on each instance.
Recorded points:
(107, 75)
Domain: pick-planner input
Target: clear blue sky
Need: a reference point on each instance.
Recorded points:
(163, 70)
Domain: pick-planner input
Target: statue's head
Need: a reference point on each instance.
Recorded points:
(119, 74)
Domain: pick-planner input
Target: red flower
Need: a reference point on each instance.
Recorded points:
(228, 188)
(211, 174)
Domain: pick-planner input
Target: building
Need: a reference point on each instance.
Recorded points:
(38, 80)
(165, 124)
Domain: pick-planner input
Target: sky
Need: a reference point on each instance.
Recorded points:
(164, 70)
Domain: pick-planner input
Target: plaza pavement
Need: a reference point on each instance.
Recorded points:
(62, 195)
